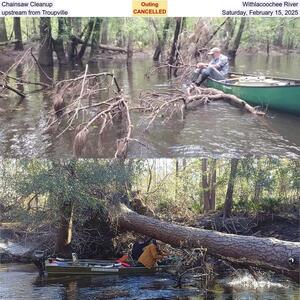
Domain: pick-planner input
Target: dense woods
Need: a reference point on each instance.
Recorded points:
(72, 37)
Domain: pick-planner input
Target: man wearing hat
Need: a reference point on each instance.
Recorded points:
(217, 69)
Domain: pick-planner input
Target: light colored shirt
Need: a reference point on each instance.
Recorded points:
(222, 64)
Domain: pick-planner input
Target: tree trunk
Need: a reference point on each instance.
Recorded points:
(129, 49)
(161, 41)
(3, 32)
(176, 177)
(230, 187)
(86, 39)
(104, 32)
(95, 36)
(205, 186)
(268, 47)
(64, 235)
(46, 47)
(164, 38)
(236, 43)
(228, 33)
(268, 253)
(213, 179)
(58, 44)
(175, 44)
(18, 34)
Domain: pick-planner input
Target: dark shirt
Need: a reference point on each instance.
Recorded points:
(137, 249)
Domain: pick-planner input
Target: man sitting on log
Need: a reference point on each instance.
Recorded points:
(217, 69)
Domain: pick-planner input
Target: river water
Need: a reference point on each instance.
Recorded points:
(21, 282)
(216, 129)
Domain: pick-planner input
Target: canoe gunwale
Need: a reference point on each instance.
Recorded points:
(297, 81)
(255, 86)
(75, 270)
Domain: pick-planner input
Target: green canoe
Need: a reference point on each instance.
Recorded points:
(55, 267)
(274, 93)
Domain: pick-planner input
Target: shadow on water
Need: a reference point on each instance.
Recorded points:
(21, 282)
(216, 129)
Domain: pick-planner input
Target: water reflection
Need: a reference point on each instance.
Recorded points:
(216, 129)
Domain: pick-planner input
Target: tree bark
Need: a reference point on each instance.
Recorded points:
(228, 33)
(104, 32)
(213, 179)
(18, 34)
(236, 43)
(269, 253)
(46, 47)
(205, 186)
(161, 40)
(86, 39)
(129, 48)
(230, 187)
(175, 45)
(3, 32)
(58, 44)
(64, 234)
(95, 36)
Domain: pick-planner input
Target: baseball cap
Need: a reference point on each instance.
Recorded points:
(213, 50)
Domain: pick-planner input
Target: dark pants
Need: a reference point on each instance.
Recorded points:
(200, 75)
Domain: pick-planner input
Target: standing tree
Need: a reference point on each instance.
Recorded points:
(236, 43)
(175, 45)
(58, 44)
(209, 184)
(129, 48)
(95, 36)
(46, 47)
(104, 31)
(3, 33)
(229, 194)
(18, 34)
(161, 39)
(86, 39)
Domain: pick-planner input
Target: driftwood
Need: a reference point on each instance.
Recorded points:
(179, 101)
(8, 42)
(112, 48)
(4, 85)
(270, 253)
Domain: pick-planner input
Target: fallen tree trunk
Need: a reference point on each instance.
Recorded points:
(269, 253)
(7, 43)
(112, 48)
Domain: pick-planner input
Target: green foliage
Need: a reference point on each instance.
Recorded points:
(167, 186)
(88, 184)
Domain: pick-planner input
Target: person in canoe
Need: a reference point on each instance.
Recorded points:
(138, 247)
(150, 255)
(217, 68)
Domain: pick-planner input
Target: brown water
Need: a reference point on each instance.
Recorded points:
(216, 129)
(21, 282)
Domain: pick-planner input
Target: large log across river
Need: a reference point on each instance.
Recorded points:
(269, 253)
